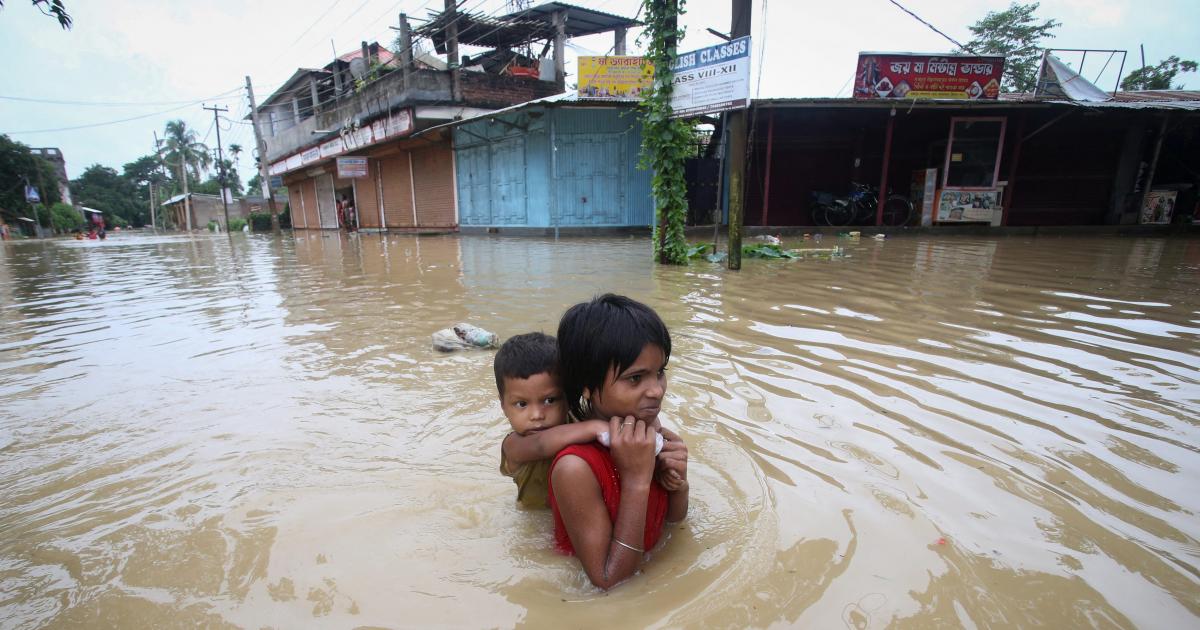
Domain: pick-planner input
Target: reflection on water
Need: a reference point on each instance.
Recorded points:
(930, 432)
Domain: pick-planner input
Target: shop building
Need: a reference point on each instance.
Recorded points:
(368, 130)
(1067, 155)
(556, 163)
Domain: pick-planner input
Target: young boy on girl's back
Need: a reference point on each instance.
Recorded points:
(526, 368)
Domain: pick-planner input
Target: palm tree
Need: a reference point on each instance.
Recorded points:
(184, 151)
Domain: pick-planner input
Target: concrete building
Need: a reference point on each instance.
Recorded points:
(55, 157)
(353, 129)
(205, 208)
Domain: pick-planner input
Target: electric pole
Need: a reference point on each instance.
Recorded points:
(739, 27)
(220, 159)
(263, 173)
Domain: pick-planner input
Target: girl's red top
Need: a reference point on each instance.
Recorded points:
(605, 470)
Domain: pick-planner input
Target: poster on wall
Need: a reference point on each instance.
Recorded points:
(713, 79)
(1158, 207)
(614, 77)
(960, 206)
(883, 75)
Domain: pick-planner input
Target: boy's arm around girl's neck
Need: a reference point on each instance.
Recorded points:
(545, 444)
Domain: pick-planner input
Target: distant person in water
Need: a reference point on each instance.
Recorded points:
(609, 508)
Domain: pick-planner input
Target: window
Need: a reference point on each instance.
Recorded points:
(973, 153)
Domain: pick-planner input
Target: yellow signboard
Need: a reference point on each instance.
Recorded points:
(614, 77)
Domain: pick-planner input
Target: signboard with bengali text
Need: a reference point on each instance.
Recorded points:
(614, 77)
(908, 76)
(351, 167)
(398, 124)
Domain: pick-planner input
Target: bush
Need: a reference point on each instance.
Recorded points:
(64, 218)
(285, 217)
(236, 225)
(260, 221)
(213, 225)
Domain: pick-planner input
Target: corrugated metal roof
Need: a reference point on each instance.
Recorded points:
(553, 99)
(1161, 100)
(580, 20)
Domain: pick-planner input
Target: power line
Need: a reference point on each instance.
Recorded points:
(762, 50)
(26, 99)
(931, 27)
(110, 122)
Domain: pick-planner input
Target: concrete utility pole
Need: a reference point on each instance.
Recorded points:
(261, 145)
(220, 159)
(739, 27)
(451, 14)
(151, 193)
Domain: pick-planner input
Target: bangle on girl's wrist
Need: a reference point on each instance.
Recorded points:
(627, 545)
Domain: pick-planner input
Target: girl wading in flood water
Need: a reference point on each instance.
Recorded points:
(608, 507)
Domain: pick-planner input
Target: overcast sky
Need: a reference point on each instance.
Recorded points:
(163, 56)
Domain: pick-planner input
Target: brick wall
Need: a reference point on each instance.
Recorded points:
(497, 91)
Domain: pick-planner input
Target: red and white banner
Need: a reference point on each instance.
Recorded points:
(909, 75)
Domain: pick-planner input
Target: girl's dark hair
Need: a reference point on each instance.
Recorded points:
(606, 333)
(523, 356)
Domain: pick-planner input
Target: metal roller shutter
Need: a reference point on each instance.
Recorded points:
(397, 194)
(433, 175)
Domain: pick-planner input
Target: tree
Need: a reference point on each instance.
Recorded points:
(1158, 77)
(1016, 34)
(666, 140)
(212, 185)
(102, 188)
(20, 167)
(64, 218)
(185, 152)
(54, 9)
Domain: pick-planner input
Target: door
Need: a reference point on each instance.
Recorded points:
(325, 202)
(508, 182)
(474, 185)
(590, 188)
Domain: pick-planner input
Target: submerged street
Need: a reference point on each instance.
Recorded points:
(932, 431)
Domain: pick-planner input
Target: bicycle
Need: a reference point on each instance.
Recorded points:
(859, 208)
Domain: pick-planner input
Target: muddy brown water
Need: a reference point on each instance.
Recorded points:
(931, 432)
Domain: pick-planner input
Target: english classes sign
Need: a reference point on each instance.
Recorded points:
(713, 79)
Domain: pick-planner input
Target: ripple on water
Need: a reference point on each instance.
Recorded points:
(254, 431)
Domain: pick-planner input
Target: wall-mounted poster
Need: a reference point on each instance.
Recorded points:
(1159, 206)
(962, 206)
(614, 77)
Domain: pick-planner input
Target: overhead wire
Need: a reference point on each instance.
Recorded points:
(931, 27)
(109, 122)
(222, 96)
(411, 48)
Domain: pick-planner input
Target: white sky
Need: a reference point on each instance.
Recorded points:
(154, 52)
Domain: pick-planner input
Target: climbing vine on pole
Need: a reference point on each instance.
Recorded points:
(666, 141)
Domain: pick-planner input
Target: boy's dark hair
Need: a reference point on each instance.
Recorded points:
(523, 356)
(597, 336)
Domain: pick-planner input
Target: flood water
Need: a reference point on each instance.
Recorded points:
(931, 432)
